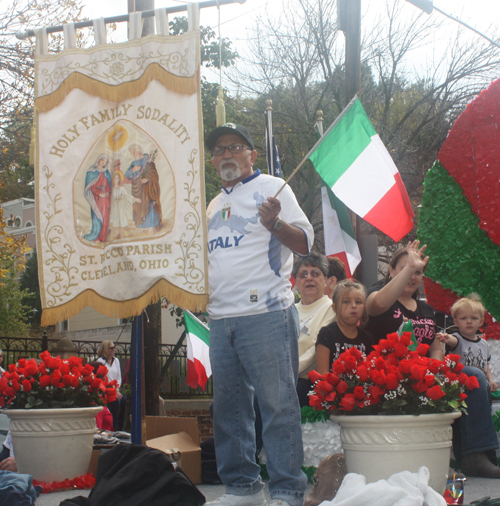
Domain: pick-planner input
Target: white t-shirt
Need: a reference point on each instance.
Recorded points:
(249, 269)
(313, 318)
(114, 371)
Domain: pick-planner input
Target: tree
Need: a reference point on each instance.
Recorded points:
(29, 283)
(298, 62)
(17, 84)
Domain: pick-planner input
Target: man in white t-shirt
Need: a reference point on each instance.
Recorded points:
(254, 324)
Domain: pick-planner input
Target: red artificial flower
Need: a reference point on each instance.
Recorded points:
(422, 349)
(338, 367)
(32, 367)
(350, 363)
(471, 383)
(45, 380)
(435, 393)
(12, 368)
(392, 382)
(87, 369)
(405, 338)
(332, 378)
(9, 392)
(64, 368)
(378, 377)
(323, 386)
(315, 402)
(400, 350)
(342, 387)
(417, 372)
(102, 371)
(355, 353)
(312, 375)
(45, 355)
(420, 386)
(429, 380)
(393, 337)
(462, 396)
(359, 392)
(458, 368)
(348, 402)
(405, 366)
(22, 363)
(331, 396)
(15, 385)
(53, 362)
(67, 380)
(26, 386)
(380, 363)
(363, 373)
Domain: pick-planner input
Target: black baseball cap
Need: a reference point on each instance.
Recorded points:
(228, 128)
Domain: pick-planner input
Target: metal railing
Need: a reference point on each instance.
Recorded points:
(174, 385)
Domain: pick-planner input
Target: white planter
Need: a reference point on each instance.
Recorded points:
(379, 446)
(53, 444)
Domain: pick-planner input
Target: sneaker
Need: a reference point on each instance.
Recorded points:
(258, 499)
(279, 502)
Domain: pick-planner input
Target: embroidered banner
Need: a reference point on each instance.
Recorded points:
(120, 178)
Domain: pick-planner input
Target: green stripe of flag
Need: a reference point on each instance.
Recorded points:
(342, 213)
(343, 144)
(196, 328)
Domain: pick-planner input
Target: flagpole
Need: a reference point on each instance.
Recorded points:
(311, 151)
(269, 140)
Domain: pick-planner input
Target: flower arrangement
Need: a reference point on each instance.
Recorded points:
(392, 380)
(54, 383)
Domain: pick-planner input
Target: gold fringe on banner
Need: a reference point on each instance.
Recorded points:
(120, 92)
(124, 309)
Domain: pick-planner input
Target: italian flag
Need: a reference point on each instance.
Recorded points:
(352, 160)
(340, 240)
(198, 341)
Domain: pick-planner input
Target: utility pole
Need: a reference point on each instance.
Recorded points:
(349, 21)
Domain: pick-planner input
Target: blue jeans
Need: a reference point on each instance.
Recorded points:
(477, 432)
(258, 356)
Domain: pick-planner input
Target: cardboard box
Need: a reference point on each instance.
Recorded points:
(167, 433)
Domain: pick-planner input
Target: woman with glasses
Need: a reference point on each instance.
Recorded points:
(106, 353)
(315, 311)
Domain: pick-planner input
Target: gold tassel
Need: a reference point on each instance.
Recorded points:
(124, 309)
(220, 108)
(120, 92)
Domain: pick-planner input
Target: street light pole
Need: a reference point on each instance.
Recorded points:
(427, 6)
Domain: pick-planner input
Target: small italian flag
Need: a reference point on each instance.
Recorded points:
(352, 160)
(340, 240)
(198, 341)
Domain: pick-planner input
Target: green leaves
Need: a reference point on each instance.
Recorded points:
(462, 256)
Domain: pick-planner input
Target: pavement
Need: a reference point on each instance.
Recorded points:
(474, 488)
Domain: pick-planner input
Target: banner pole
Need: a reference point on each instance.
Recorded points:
(136, 367)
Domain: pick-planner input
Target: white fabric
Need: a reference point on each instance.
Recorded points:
(118, 63)
(161, 21)
(249, 269)
(114, 370)
(312, 318)
(99, 31)
(134, 25)
(69, 35)
(401, 489)
(375, 169)
(193, 10)
(79, 131)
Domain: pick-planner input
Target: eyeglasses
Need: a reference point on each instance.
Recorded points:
(233, 148)
(313, 274)
(111, 347)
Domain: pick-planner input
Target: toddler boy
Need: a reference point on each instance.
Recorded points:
(464, 339)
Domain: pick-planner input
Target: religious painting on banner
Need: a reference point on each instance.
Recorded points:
(120, 177)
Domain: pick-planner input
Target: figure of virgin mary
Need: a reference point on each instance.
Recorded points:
(98, 195)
